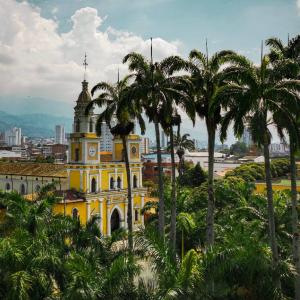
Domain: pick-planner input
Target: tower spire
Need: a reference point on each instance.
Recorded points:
(85, 64)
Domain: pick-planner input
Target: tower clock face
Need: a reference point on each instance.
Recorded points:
(133, 150)
(92, 151)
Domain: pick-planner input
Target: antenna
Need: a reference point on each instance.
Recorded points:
(85, 65)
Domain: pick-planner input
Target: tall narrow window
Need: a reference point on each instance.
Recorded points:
(136, 215)
(119, 182)
(135, 181)
(22, 189)
(112, 183)
(93, 186)
(75, 214)
(7, 187)
(91, 126)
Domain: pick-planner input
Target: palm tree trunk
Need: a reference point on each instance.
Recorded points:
(296, 246)
(129, 195)
(173, 192)
(210, 237)
(271, 214)
(161, 204)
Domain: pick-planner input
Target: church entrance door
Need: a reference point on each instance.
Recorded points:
(114, 221)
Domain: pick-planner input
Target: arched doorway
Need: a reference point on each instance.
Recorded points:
(22, 189)
(114, 220)
(93, 189)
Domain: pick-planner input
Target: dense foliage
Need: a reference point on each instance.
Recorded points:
(255, 171)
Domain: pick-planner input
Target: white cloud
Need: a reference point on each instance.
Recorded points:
(36, 60)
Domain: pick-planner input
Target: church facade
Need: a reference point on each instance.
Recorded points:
(101, 183)
(92, 183)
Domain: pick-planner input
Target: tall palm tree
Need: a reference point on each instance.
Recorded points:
(182, 143)
(206, 78)
(279, 52)
(256, 96)
(157, 91)
(115, 99)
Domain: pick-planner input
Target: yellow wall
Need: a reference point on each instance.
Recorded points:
(118, 148)
(74, 146)
(261, 187)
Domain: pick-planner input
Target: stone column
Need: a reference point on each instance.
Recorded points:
(108, 202)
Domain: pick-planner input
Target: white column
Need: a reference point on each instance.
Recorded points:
(115, 181)
(101, 214)
(141, 178)
(108, 217)
(100, 181)
(87, 181)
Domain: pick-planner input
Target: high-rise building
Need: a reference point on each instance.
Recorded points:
(106, 138)
(246, 137)
(145, 145)
(13, 137)
(59, 134)
(164, 140)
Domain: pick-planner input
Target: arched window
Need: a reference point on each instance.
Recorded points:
(91, 126)
(119, 182)
(77, 126)
(22, 189)
(7, 187)
(37, 188)
(136, 215)
(112, 183)
(135, 181)
(93, 185)
(75, 214)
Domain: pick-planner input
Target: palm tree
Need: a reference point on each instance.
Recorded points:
(186, 224)
(257, 96)
(157, 91)
(117, 103)
(206, 78)
(279, 52)
(182, 143)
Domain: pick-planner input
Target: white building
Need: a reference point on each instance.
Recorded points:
(246, 137)
(106, 138)
(13, 137)
(279, 149)
(145, 144)
(60, 134)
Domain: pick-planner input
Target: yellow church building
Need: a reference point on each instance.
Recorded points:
(96, 183)
(101, 182)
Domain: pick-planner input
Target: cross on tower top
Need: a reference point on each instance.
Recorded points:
(85, 65)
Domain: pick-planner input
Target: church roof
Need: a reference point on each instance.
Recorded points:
(33, 169)
(84, 96)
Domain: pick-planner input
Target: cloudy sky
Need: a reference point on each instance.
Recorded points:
(42, 42)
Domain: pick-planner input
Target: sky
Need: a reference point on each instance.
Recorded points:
(43, 42)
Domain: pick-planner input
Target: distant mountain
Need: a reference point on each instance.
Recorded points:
(35, 124)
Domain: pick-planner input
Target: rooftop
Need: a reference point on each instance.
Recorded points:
(33, 169)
